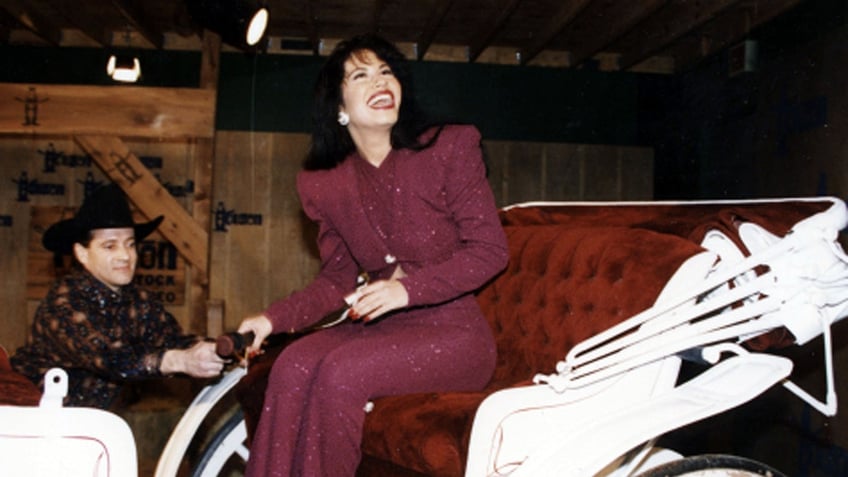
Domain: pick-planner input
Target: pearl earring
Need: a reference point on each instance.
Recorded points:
(344, 118)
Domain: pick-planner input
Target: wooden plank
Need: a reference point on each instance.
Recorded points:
(142, 22)
(601, 172)
(525, 172)
(203, 172)
(604, 32)
(34, 21)
(41, 271)
(292, 235)
(637, 178)
(13, 240)
(91, 23)
(210, 64)
(242, 185)
(428, 31)
(253, 265)
(667, 26)
(200, 318)
(494, 154)
(142, 187)
(563, 172)
(728, 28)
(557, 23)
(215, 320)
(127, 111)
(495, 22)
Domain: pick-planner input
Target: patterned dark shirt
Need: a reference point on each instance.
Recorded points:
(101, 338)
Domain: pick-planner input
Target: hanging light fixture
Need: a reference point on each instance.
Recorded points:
(122, 67)
(241, 23)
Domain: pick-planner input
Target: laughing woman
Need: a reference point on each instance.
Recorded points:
(410, 205)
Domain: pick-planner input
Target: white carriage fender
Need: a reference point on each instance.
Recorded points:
(586, 448)
(203, 403)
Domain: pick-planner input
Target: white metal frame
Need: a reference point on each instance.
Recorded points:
(575, 422)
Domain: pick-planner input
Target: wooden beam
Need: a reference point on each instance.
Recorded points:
(712, 38)
(210, 64)
(610, 27)
(126, 111)
(141, 23)
(200, 318)
(90, 26)
(311, 28)
(27, 16)
(437, 14)
(376, 13)
(125, 169)
(726, 30)
(490, 28)
(671, 23)
(203, 176)
(565, 15)
(765, 10)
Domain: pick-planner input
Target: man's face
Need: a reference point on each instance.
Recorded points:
(111, 256)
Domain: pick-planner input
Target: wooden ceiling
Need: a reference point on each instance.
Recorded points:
(671, 35)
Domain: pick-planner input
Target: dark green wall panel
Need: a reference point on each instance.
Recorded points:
(274, 92)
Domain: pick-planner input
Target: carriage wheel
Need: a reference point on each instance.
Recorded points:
(226, 453)
(712, 465)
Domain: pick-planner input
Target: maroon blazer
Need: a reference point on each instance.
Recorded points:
(445, 229)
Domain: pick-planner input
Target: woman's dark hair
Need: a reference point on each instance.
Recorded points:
(331, 142)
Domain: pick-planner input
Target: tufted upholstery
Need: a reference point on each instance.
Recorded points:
(16, 389)
(575, 269)
(565, 284)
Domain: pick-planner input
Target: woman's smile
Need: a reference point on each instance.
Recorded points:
(384, 99)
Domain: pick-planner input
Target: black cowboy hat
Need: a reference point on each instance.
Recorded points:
(105, 208)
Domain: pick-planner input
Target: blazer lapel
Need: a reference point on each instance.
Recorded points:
(367, 245)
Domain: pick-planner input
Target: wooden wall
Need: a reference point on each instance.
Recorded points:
(253, 264)
(262, 246)
(531, 171)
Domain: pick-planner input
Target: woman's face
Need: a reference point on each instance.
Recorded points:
(371, 93)
(110, 256)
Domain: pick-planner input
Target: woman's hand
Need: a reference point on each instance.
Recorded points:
(378, 298)
(261, 327)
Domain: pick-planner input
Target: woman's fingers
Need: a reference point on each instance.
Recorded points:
(379, 298)
(260, 326)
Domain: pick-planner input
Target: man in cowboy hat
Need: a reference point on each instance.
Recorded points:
(95, 322)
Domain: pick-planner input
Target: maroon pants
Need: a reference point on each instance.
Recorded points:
(312, 418)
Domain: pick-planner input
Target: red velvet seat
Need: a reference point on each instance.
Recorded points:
(16, 389)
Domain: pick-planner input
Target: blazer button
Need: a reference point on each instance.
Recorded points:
(389, 258)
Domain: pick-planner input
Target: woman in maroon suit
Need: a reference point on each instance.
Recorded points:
(410, 206)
